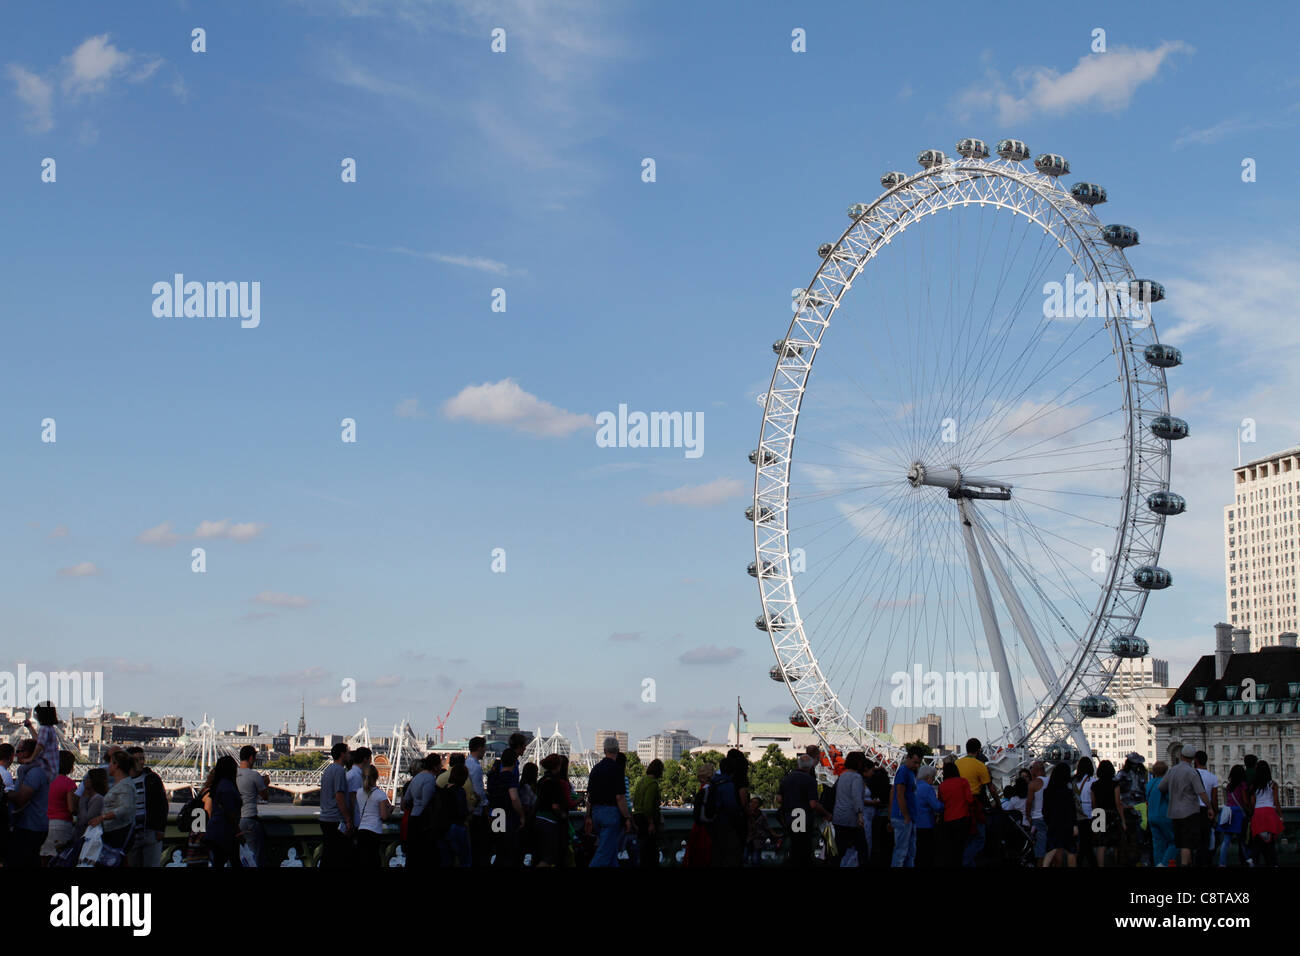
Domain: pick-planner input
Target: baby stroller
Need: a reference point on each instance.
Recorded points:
(1011, 843)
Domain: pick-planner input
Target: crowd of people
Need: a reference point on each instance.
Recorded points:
(511, 814)
(46, 816)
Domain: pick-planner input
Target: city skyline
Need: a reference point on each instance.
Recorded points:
(373, 562)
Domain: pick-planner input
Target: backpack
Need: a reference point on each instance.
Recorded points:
(723, 801)
(436, 816)
(185, 818)
(499, 783)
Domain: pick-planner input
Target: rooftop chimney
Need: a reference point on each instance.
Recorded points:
(1241, 640)
(1286, 639)
(1222, 649)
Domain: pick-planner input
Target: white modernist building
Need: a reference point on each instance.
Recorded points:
(1260, 537)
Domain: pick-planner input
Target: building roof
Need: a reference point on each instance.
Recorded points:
(1275, 666)
(1277, 454)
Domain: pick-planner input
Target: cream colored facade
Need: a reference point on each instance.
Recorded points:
(1260, 537)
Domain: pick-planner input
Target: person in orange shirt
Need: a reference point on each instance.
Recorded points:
(974, 771)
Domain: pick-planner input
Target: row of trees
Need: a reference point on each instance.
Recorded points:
(679, 782)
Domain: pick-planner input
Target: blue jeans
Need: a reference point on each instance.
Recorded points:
(609, 828)
(453, 846)
(904, 842)
(973, 845)
(1040, 839)
(1162, 842)
(253, 836)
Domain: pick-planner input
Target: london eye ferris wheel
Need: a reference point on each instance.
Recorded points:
(961, 515)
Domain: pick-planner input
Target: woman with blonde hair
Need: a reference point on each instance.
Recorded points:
(373, 809)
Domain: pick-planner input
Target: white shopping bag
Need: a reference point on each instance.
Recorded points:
(92, 845)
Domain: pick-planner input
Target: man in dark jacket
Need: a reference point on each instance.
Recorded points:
(146, 846)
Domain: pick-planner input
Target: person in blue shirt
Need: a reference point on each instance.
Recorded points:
(929, 809)
(903, 809)
(29, 809)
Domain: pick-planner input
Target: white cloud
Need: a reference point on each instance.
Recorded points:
(159, 535)
(699, 496)
(83, 570)
(504, 403)
(93, 65)
(1105, 81)
(275, 599)
(479, 263)
(37, 95)
(409, 408)
(709, 654)
(89, 70)
(247, 531)
(60, 532)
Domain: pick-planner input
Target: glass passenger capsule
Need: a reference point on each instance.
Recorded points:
(764, 514)
(809, 300)
(929, 158)
(777, 674)
(799, 719)
(768, 567)
(892, 179)
(1013, 149)
(786, 349)
(1152, 578)
(1090, 194)
(1162, 356)
(1129, 646)
(1061, 752)
(1097, 705)
(768, 457)
(857, 209)
(1166, 503)
(973, 149)
(778, 623)
(1146, 290)
(1050, 164)
(1169, 427)
(1121, 237)
(825, 249)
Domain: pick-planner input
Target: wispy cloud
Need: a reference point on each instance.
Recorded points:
(699, 496)
(1237, 126)
(479, 263)
(244, 531)
(505, 404)
(709, 654)
(36, 95)
(276, 599)
(1103, 81)
(83, 570)
(61, 531)
(409, 408)
(89, 70)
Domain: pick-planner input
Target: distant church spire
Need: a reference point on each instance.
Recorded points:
(302, 719)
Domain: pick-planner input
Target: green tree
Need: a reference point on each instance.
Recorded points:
(926, 749)
(302, 760)
(766, 773)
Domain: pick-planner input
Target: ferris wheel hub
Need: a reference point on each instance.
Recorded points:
(958, 483)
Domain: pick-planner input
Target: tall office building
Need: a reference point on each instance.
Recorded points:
(669, 745)
(877, 720)
(619, 735)
(498, 725)
(1260, 536)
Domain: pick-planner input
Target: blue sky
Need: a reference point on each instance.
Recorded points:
(522, 171)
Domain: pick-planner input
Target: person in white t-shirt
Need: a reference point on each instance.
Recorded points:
(372, 810)
(1084, 777)
(1211, 784)
(356, 775)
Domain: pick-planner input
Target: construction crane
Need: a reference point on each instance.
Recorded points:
(443, 723)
